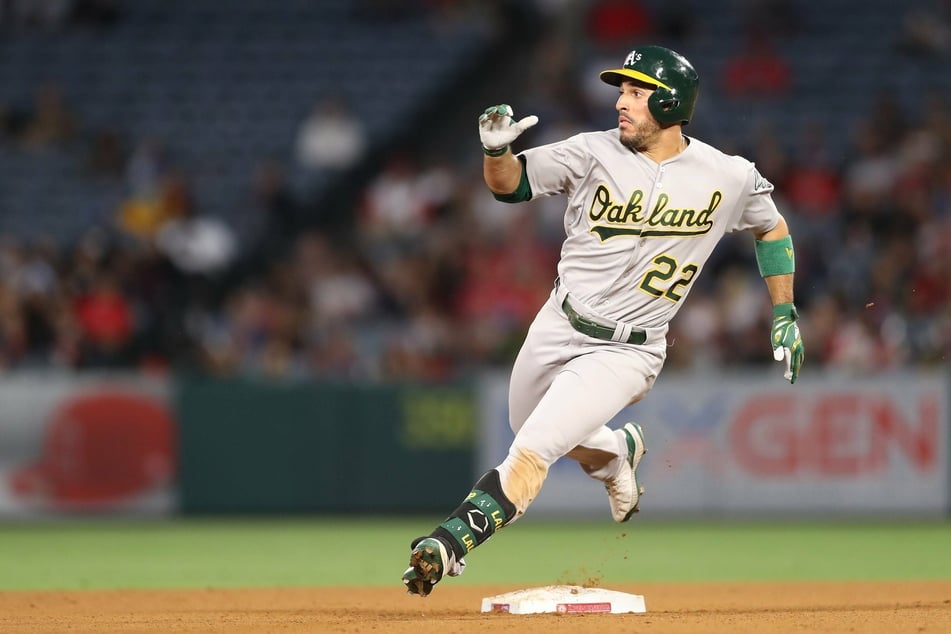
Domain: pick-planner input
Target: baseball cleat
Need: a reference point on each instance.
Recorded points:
(427, 563)
(623, 489)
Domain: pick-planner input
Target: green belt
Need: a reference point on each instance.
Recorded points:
(587, 327)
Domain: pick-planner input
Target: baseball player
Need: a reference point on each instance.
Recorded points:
(646, 205)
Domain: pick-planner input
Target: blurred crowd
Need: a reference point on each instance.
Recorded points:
(426, 277)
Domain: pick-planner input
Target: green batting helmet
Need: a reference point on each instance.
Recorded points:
(675, 79)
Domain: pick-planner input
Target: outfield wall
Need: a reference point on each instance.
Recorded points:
(751, 445)
(270, 447)
(76, 445)
(81, 444)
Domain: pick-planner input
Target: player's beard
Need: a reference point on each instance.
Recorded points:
(645, 134)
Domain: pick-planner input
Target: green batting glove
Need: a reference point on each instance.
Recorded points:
(786, 340)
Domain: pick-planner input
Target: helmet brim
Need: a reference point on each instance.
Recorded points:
(618, 76)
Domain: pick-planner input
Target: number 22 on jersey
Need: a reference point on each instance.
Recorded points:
(657, 281)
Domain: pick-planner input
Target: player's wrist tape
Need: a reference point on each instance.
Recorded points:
(496, 152)
(785, 311)
(775, 257)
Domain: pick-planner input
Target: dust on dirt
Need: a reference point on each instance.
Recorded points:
(757, 608)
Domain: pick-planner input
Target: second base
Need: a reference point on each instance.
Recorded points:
(565, 600)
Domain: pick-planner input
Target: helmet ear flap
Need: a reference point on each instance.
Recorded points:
(664, 104)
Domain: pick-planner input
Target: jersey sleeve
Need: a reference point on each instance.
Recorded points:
(553, 168)
(757, 210)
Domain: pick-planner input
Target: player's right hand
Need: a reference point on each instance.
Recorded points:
(497, 127)
(786, 340)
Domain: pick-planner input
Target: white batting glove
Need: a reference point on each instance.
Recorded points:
(497, 128)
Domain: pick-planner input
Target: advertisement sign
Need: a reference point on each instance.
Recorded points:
(85, 444)
(754, 445)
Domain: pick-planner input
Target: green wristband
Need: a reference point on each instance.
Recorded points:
(775, 257)
(785, 311)
(496, 152)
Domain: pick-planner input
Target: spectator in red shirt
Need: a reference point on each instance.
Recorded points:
(106, 322)
(757, 70)
(611, 22)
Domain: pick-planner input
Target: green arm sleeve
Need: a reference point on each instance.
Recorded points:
(522, 193)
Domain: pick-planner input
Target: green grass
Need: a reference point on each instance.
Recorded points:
(314, 552)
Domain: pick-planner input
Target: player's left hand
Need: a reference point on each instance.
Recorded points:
(786, 340)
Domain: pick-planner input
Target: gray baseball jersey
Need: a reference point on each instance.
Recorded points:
(639, 232)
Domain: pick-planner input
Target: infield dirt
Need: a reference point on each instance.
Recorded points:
(761, 608)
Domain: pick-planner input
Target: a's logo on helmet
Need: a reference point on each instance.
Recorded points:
(632, 58)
